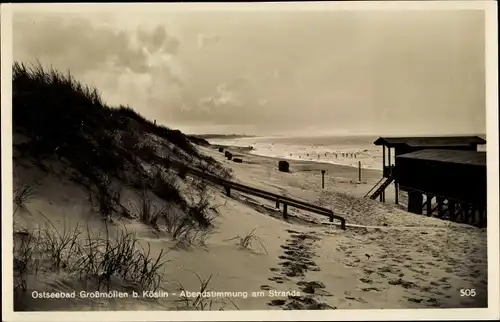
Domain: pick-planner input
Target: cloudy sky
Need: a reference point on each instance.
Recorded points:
(362, 72)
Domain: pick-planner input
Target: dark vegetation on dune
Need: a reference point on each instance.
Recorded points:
(63, 118)
(64, 121)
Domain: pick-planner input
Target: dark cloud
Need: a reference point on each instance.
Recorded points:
(77, 44)
(135, 66)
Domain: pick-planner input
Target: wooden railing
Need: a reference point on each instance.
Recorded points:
(279, 199)
(374, 187)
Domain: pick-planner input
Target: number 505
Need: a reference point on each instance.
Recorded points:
(468, 292)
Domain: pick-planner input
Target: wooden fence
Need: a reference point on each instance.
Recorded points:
(279, 199)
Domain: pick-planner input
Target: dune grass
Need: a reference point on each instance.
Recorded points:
(201, 303)
(247, 241)
(92, 257)
(23, 194)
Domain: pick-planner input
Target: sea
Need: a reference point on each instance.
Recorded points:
(342, 150)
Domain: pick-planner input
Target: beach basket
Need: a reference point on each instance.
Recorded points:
(283, 166)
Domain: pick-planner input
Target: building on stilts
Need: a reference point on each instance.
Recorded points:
(442, 176)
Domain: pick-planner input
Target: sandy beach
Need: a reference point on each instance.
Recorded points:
(385, 259)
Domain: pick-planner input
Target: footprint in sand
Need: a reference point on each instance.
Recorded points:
(302, 253)
(366, 280)
(278, 279)
(297, 258)
(308, 262)
(425, 289)
(349, 264)
(415, 300)
(277, 302)
(369, 289)
(310, 287)
(306, 303)
(386, 269)
(432, 302)
(357, 299)
(402, 283)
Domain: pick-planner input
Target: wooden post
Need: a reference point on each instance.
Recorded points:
(440, 201)
(396, 189)
(285, 215)
(469, 212)
(383, 156)
(429, 204)
(451, 208)
(415, 202)
(482, 215)
(389, 156)
(278, 203)
(323, 179)
(461, 212)
(228, 191)
(359, 170)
